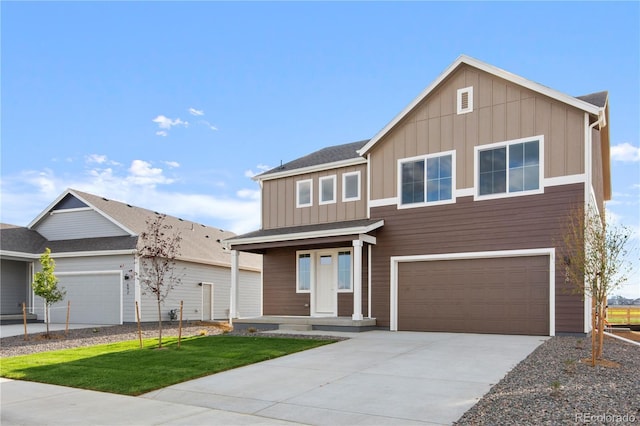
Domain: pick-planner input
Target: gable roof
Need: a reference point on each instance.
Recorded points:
(338, 155)
(582, 104)
(200, 243)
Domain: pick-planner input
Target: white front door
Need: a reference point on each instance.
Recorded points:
(325, 294)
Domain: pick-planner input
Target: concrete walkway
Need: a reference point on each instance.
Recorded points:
(376, 377)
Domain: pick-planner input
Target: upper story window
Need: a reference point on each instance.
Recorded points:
(328, 189)
(509, 168)
(465, 100)
(304, 193)
(351, 186)
(426, 180)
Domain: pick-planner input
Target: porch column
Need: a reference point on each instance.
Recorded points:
(233, 307)
(357, 280)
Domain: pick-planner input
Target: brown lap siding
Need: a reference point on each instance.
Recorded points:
(515, 223)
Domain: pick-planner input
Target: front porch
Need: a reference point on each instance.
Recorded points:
(303, 323)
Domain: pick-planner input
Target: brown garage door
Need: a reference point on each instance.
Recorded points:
(499, 295)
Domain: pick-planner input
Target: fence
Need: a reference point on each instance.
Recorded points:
(623, 315)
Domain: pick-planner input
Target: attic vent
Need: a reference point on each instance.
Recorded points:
(465, 100)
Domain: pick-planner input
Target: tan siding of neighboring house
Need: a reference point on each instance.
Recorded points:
(516, 223)
(502, 111)
(279, 201)
(596, 170)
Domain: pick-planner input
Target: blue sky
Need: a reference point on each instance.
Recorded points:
(173, 106)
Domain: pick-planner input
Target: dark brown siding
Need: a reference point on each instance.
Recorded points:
(534, 221)
(499, 295)
(279, 285)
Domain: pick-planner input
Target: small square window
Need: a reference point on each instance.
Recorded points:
(465, 100)
(304, 190)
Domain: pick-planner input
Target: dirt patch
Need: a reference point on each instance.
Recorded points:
(631, 335)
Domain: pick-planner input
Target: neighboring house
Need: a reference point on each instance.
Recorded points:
(449, 219)
(93, 241)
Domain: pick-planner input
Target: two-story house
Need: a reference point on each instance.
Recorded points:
(448, 219)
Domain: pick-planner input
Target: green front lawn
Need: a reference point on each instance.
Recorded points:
(126, 369)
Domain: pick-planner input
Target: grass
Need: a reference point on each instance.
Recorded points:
(126, 369)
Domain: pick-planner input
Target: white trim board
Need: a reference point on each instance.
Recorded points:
(395, 260)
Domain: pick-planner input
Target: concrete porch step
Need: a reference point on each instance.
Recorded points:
(295, 327)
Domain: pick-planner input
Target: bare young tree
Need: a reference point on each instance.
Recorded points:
(45, 284)
(158, 249)
(596, 262)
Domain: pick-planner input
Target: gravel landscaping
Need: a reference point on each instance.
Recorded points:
(553, 385)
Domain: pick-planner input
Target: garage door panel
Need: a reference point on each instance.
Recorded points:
(500, 295)
(94, 298)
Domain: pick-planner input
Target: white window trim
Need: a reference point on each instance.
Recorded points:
(425, 158)
(312, 270)
(337, 254)
(507, 194)
(320, 181)
(344, 186)
(300, 183)
(461, 92)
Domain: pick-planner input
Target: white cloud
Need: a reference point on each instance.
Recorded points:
(172, 164)
(261, 168)
(625, 152)
(27, 193)
(209, 125)
(197, 112)
(142, 173)
(95, 158)
(166, 123)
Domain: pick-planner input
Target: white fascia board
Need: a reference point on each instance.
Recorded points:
(498, 72)
(106, 216)
(311, 169)
(92, 253)
(18, 254)
(309, 234)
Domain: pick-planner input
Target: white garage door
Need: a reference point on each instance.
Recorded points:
(95, 299)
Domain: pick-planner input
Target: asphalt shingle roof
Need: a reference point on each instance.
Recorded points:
(598, 99)
(327, 155)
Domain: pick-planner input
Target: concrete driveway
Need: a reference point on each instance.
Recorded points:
(376, 377)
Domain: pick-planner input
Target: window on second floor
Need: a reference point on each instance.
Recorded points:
(328, 189)
(304, 193)
(426, 180)
(351, 186)
(510, 168)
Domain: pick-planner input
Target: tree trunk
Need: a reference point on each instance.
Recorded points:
(46, 317)
(159, 326)
(601, 323)
(594, 350)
